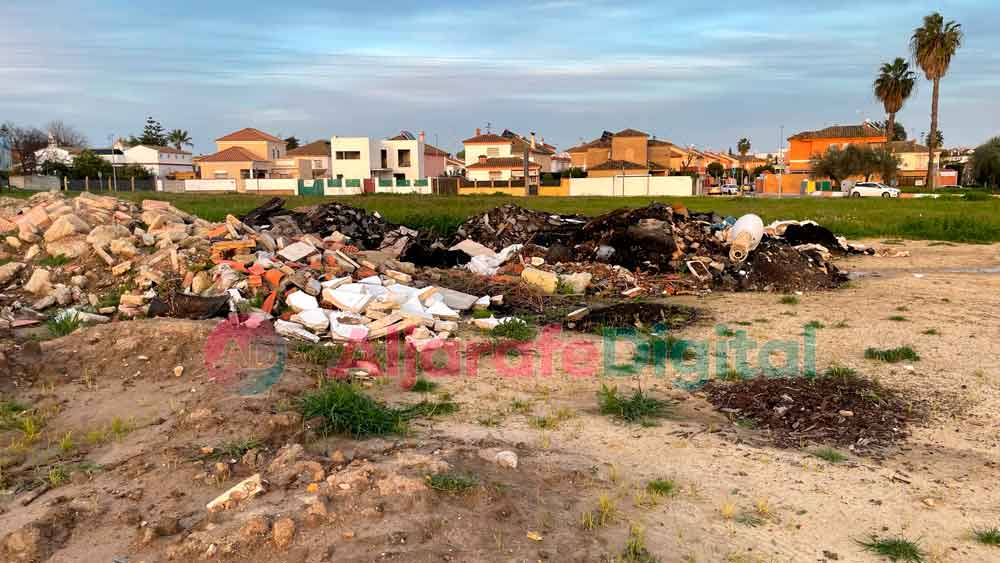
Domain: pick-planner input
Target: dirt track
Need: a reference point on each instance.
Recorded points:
(738, 498)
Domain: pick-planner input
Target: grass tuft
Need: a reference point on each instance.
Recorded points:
(53, 261)
(639, 408)
(815, 325)
(318, 354)
(932, 332)
(829, 454)
(422, 385)
(987, 536)
(482, 314)
(896, 548)
(514, 329)
(63, 325)
(789, 300)
(346, 410)
(892, 355)
(635, 547)
(898, 318)
(662, 487)
(451, 483)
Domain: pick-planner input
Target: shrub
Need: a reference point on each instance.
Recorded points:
(637, 408)
(892, 355)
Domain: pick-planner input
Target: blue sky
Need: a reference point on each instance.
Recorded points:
(691, 73)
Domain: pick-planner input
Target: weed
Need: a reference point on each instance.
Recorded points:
(987, 536)
(564, 288)
(898, 318)
(451, 483)
(112, 298)
(638, 408)
(725, 331)
(318, 354)
(422, 385)
(492, 419)
(346, 410)
(748, 519)
(10, 411)
(120, 428)
(727, 510)
(931, 332)
(635, 547)
(841, 324)
(520, 406)
(744, 323)
(63, 325)
(482, 314)
(607, 510)
(662, 487)
(730, 375)
(892, 355)
(902, 308)
(514, 329)
(789, 300)
(66, 443)
(763, 508)
(57, 476)
(829, 454)
(843, 373)
(896, 549)
(815, 325)
(53, 261)
(552, 421)
(429, 409)
(236, 449)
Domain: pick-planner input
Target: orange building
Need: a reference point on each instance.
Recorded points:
(807, 144)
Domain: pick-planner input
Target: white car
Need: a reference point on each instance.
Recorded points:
(873, 189)
(730, 189)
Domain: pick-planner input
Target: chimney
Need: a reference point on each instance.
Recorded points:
(478, 132)
(532, 139)
(421, 136)
(482, 159)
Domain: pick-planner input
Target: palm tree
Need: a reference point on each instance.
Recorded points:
(178, 138)
(933, 45)
(743, 146)
(893, 86)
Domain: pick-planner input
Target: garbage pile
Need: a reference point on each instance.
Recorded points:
(97, 259)
(511, 224)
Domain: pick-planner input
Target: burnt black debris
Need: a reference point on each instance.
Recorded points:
(511, 224)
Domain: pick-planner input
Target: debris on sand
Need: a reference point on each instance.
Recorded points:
(845, 411)
(511, 224)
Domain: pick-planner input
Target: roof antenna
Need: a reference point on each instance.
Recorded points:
(488, 125)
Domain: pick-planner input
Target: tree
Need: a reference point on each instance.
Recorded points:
(933, 45)
(292, 143)
(899, 130)
(24, 141)
(832, 164)
(715, 169)
(178, 138)
(986, 163)
(134, 170)
(89, 165)
(855, 160)
(153, 134)
(938, 139)
(761, 169)
(65, 135)
(460, 155)
(894, 84)
(743, 146)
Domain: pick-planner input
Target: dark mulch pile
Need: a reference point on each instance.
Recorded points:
(844, 411)
(635, 314)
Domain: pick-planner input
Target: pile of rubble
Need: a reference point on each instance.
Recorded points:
(100, 258)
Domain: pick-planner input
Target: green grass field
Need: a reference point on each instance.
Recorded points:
(946, 219)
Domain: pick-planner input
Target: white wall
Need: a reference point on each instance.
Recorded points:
(159, 164)
(353, 169)
(415, 170)
(474, 150)
(210, 185)
(632, 186)
(265, 185)
(411, 189)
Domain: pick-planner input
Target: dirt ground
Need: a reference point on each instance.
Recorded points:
(132, 480)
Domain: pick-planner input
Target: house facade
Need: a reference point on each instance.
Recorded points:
(397, 158)
(807, 144)
(57, 154)
(251, 154)
(6, 158)
(504, 155)
(161, 162)
(913, 162)
(317, 154)
(630, 152)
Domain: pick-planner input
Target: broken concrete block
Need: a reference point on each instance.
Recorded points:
(70, 248)
(546, 281)
(578, 282)
(121, 268)
(345, 300)
(296, 251)
(578, 314)
(482, 303)
(9, 270)
(39, 283)
(301, 301)
(315, 320)
(473, 248)
(103, 234)
(201, 282)
(445, 326)
(294, 330)
(242, 491)
(442, 311)
(399, 276)
(123, 248)
(65, 226)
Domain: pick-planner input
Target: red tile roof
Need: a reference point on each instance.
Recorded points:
(631, 133)
(250, 134)
(431, 150)
(232, 154)
(617, 165)
(841, 132)
(486, 138)
(504, 162)
(315, 148)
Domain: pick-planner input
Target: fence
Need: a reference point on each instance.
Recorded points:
(209, 185)
(36, 183)
(632, 186)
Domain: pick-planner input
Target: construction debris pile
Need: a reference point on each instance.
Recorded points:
(338, 272)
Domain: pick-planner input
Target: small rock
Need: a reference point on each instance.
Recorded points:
(846, 414)
(255, 528)
(507, 459)
(39, 283)
(9, 270)
(283, 532)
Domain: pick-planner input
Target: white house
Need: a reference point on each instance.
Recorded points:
(159, 161)
(398, 158)
(55, 153)
(501, 157)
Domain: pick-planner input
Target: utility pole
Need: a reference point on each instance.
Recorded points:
(527, 149)
(781, 147)
(114, 160)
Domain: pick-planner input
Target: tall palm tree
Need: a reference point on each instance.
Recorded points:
(933, 45)
(743, 146)
(178, 138)
(893, 86)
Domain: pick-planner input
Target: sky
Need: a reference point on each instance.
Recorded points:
(703, 75)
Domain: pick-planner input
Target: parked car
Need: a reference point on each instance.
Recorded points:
(715, 190)
(873, 189)
(730, 189)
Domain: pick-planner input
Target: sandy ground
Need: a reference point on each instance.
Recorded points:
(738, 499)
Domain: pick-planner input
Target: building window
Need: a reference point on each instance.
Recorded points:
(403, 158)
(496, 175)
(317, 164)
(221, 175)
(385, 158)
(348, 155)
(492, 151)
